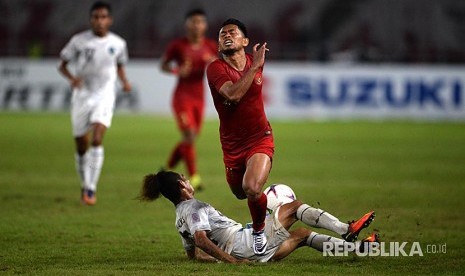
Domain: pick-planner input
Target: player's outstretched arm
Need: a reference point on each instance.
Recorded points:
(204, 243)
(198, 254)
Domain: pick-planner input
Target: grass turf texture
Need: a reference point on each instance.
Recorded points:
(412, 174)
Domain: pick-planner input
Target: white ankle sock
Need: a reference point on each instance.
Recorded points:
(95, 163)
(81, 166)
(316, 241)
(319, 218)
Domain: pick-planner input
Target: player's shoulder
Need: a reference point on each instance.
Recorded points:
(218, 65)
(192, 203)
(219, 62)
(197, 204)
(117, 38)
(83, 35)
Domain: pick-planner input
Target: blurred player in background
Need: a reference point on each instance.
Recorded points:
(191, 54)
(235, 82)
(99, 57)
(202, 226)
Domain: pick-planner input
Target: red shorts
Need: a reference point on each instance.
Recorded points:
(235, 165)
(188, 114)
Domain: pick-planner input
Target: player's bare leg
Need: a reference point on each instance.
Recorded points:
(297, 239)
(287, 213)
(81, 161)
(256, 174)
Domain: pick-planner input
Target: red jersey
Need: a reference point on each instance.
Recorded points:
(181, 51)
(244, 123)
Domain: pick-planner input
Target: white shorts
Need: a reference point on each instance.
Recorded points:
(276, 234)
(87, 109)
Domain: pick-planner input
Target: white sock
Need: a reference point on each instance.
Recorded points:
(81, 166)
(95, 163)
(316, 241)
(318, 218)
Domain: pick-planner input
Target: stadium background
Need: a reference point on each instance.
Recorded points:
(328, 59)
(365, 61)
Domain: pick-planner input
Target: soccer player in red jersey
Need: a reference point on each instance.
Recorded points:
(235, 82)
(191, 54)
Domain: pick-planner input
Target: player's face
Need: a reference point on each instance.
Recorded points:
(100, 21)
(187, 185)
(196, 25)
(231, 39)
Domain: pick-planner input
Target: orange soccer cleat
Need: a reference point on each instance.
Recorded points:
(356, 226)
(370, 241)
(89, 197)
(373, 237)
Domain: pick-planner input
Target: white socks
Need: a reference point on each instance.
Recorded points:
(316, 241)
(95, 164)
(81, 165)
(89, 166)
(321, 219)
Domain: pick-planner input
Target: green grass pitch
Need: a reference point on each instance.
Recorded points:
(411, 174)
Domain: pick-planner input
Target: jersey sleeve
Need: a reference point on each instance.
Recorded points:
(197, 220)
(69, 52)
(123, 57)
(170, 52)
(216, 75)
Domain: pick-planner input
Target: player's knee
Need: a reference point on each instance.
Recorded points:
(296, 204)
(252, 191)
(303, 233)
(189, 136)
(97, 141)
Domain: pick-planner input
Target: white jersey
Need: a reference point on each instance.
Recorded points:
(194, 215)
(96, 59)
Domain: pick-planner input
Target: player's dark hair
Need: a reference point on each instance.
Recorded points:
(164, 183)
(193, 12)
(100, 5)
(239, 24)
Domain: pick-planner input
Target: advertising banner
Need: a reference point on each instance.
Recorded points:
(291, 90)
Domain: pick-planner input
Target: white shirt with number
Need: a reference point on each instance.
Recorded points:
(96, 59)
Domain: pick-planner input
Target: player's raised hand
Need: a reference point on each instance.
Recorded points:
(259, 55)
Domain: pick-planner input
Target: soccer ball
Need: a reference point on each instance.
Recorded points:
(278, 194)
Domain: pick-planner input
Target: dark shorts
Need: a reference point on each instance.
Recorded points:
(235, 165)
